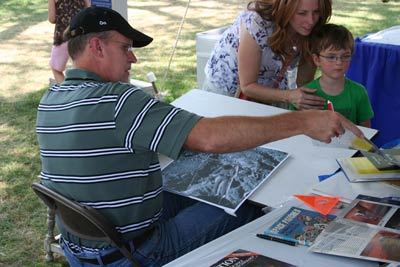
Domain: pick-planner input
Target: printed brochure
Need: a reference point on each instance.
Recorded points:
(369, 228)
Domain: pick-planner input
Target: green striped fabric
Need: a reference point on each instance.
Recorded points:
(99, 143)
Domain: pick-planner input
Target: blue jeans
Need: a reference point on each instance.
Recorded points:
(185, 225)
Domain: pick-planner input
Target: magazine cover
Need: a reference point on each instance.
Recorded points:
(300, 225)
(222, 180)
(244, 258)
(368, 229)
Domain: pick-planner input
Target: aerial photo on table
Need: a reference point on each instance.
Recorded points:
(223, 180)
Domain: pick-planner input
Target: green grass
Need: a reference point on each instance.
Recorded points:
(22, 215)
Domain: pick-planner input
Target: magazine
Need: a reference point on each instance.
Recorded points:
(369, 228)
(299, 225)
(384, 161)
(361, 169)
(222, 180)
(390, 157)
(244, 258)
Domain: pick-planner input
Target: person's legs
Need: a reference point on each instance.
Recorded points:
(58, 75)
(174, 203)
(74, 255)
(185, 225)
(192, 227)
(58, 61)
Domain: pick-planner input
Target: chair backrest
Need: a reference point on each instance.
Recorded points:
(82, 221)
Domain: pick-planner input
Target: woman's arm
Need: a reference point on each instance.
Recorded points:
(52, 11)
(249, 60)
(87, 3)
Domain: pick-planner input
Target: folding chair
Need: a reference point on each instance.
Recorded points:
(80, 220)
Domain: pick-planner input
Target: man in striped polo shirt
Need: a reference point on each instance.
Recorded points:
(99, 138)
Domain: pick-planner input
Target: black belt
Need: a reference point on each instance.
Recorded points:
(107, 259)
(117, 255)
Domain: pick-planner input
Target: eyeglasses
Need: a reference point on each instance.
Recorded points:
(331, 58)
(125, 46)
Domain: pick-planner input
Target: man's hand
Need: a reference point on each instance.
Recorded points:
(323, 125)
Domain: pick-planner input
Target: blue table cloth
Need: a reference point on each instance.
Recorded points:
(377, 67)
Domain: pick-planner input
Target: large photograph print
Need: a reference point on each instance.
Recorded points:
(222, 180)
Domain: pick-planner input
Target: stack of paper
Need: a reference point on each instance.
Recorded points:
(338, 183)
(372, 167)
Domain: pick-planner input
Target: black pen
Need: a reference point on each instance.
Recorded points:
(276, 239)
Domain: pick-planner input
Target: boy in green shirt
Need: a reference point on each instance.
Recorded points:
(332, 49)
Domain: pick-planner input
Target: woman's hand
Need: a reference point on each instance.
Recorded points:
(304, 98)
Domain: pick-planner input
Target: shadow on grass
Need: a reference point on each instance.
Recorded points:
(366, 17)
(361, 17)
(22, 14)
(359, 10)
(22, 214)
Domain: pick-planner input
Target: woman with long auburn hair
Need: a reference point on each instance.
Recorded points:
(266, 51)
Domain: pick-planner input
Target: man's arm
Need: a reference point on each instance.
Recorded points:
(236, 133)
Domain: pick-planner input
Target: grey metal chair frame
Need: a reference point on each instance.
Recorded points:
(80, 220)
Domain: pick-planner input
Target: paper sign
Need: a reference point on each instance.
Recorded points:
(320, 203)
(102, 3)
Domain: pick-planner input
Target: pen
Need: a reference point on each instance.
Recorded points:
(276, 239)
(330, 107)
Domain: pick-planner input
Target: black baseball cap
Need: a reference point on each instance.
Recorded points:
(100, 19)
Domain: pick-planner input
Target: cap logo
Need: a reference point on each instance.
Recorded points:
(102, 22)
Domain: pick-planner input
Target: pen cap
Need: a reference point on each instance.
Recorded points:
(330, 105)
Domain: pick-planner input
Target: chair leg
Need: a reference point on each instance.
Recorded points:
(50, 234)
